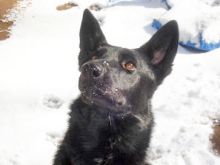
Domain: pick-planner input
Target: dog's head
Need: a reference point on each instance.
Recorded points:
(121, 79)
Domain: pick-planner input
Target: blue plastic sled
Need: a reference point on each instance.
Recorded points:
(203, 45)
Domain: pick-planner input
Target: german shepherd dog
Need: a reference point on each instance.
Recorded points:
(111, 121)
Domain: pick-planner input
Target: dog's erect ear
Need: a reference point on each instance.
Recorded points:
(161, 49)
(91, 35)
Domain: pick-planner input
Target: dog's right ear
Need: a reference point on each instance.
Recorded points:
(161, 50)
(91, 35)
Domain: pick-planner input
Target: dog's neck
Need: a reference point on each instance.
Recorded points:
(115, 123)
(109, 132)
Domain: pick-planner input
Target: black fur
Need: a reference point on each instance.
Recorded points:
(111, 121)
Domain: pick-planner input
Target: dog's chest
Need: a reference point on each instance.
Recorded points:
(108, 156)
(110, 150)
(109, 141)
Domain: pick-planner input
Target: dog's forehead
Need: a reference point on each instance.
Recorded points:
(118, 52)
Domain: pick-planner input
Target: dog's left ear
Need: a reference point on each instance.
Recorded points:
(161, 49)
(91, 35)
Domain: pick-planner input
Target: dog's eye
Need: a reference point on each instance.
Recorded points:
(129, 66)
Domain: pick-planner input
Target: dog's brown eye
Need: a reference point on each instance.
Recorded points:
(129, 66)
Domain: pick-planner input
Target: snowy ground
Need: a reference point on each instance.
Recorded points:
(39, 78)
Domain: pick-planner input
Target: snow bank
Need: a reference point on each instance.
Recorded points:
(199, 22)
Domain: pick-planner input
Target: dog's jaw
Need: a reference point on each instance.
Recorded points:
(112, 100)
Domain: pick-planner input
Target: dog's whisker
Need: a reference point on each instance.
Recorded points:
(110, 121)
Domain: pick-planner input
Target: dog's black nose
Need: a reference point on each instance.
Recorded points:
(92, 70)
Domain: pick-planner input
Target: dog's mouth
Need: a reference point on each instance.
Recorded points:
(104, 98)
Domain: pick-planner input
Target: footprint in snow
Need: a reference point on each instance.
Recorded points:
(54, 137)
(192, 79)
(194, 93)
(52, 101)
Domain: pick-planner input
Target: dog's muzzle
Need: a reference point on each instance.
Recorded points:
(97, 87)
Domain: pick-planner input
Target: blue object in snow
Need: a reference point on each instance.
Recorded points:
(202, 46)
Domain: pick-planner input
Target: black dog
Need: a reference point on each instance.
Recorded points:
(111, 121)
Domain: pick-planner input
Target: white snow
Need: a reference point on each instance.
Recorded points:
(195, 18)
(39, 79)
